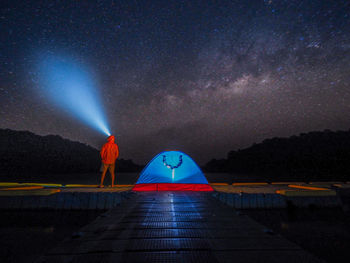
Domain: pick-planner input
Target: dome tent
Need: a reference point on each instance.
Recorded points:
(172, 171)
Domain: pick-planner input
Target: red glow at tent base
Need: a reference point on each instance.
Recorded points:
(172, 187)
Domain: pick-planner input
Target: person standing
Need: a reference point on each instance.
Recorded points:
(109, 154)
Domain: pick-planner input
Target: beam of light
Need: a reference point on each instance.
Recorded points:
(70, 86)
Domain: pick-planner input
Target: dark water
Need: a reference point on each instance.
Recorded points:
(131, 178)
(121, 178)
(88, 178)
(25, 235)
(323, 232)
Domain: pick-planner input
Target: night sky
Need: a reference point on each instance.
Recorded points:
(204, 77)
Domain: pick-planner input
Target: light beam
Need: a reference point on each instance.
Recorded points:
(69, 85)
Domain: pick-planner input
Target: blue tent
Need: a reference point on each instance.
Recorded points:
(172, 170)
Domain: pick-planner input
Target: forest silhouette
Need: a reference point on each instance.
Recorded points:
(310, 156)
(25, 154)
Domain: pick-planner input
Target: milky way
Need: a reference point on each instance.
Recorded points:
(203, 77)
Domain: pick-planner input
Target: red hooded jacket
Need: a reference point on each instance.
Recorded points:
(109, 151)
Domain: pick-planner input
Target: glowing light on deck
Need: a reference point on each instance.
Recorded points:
(70, 86)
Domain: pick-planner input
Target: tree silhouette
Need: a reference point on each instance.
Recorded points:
(24, 153)
(310, 156)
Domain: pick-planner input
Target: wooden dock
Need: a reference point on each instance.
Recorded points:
(24, 196)
(272, 201)
(175, 227)
(65, 200)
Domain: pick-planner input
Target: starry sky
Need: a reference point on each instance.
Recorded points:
(204, 77)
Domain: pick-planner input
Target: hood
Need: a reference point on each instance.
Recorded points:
(110, 138)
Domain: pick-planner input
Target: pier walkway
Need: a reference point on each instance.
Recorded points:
(261, 195)
(175, 227)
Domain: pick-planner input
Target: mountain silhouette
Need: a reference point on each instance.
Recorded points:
(25, 153)
(321, 155)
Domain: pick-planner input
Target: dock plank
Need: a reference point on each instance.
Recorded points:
(176, 227)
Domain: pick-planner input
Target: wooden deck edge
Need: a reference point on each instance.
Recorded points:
(274, 201)
(65, 201)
